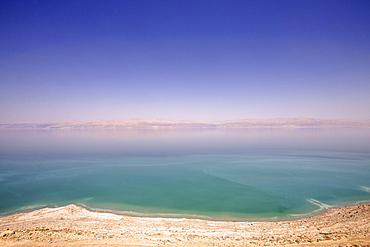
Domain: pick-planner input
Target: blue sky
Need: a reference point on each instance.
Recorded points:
(183, 60)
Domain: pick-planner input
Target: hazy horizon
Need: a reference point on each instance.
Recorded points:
(184, 60)
(189, 120)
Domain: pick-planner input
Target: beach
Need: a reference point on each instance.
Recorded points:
(76, 226)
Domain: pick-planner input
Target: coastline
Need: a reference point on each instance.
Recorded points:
(76, 226)
(290, 217)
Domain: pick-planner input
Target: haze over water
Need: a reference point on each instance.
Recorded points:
(219, 174)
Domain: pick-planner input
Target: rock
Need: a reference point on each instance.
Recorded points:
(73, 209)
(7, 233)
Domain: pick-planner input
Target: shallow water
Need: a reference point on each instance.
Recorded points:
(258, 174)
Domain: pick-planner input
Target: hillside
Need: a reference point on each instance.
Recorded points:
(169, 124)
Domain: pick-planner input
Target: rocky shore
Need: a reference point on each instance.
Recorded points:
(75, 226)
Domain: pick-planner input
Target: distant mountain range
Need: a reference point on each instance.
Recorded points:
(169, 124)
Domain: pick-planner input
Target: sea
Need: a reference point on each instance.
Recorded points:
(218, 174)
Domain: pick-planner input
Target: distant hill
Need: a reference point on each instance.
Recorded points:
(169, 124)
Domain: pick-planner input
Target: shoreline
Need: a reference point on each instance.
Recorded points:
(291, 217)
(77, 226)
(319, 211)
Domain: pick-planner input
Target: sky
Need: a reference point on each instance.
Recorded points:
(203, 60)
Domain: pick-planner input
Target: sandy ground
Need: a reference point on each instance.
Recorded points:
(76, 226)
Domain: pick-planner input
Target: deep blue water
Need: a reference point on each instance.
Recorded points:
(220, 174)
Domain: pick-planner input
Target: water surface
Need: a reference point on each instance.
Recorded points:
(219, 174)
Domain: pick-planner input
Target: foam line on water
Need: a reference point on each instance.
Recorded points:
(321, 205)
(365, 188)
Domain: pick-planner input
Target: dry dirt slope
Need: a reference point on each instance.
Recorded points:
(76, 226)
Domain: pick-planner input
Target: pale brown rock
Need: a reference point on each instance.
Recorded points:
(6, 233)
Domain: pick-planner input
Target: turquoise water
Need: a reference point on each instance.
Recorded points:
(240, 174)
